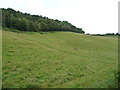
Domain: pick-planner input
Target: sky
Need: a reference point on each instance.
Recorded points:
(93, 16)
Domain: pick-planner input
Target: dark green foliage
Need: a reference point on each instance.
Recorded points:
(26, 22)
(109, 34)
(117, 79)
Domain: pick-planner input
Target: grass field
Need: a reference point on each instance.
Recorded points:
(0, 58)
(58, 59)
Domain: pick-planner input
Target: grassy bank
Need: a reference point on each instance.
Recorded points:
(58, 59)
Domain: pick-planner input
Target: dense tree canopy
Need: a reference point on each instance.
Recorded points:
(26, 22)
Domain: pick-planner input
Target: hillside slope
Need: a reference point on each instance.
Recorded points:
(58, 59)
(26, 22)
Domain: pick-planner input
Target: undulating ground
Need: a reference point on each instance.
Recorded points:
(58, 60)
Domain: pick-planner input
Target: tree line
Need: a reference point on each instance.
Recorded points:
(107, 34)
(26, 22)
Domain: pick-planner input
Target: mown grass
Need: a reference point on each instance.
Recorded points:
(0, 58)
(58, 60)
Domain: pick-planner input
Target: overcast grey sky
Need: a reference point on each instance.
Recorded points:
(94, 16)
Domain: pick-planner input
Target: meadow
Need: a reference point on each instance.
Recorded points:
(58, 60)
(0, 58)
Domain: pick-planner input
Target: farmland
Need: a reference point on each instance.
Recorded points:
(58, 60)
